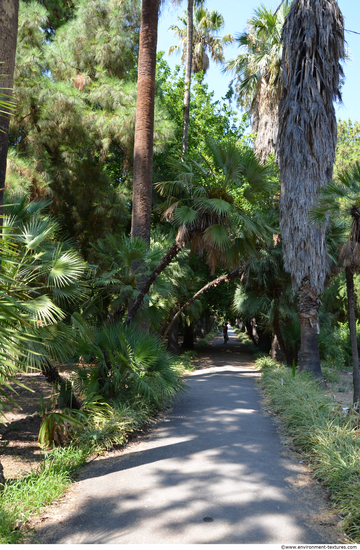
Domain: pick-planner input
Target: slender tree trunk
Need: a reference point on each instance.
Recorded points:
(165, 261)
(173, 337)
(352, 327)
(309, 356)
(279, 339)
(144, 124)
(189, 52)
(223, 278)
(53, 377)
(2, 478)
(188, 342)
(9, 14)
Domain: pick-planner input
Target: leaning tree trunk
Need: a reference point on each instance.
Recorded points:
(9, 13)
(144, 124)
(221, 279)
(189, 52)
(352, 327)
(173, 338)
(313, 38)
(164, 262)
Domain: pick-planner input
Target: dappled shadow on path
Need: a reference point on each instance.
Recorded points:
(215, 455)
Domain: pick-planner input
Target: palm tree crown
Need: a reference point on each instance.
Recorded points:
(258, 74)
(205, 206)
(205, 41)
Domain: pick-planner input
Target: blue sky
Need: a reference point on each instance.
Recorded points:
(236, 13)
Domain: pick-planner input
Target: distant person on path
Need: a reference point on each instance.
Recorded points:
(225, 332)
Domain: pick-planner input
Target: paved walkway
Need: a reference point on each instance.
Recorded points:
(213, 471)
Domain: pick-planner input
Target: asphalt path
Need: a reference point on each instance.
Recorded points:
(212, 471)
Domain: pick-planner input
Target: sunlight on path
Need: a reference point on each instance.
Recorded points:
(212, 471)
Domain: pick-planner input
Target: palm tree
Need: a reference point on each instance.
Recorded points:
(266, 294)
(39, 281)
(202, 206)
(205, 40)
(313, 37)
(336, 200)
(196, 41)
(9, 14)
(188, 69)
(144, 124)
(258, 75)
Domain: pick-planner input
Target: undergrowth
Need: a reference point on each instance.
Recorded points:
(106, 425)
(203, 342)
(22, 498)
(318, 426)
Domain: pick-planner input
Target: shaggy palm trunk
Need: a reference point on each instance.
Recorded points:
(144, 124)
(313, 44)
(352, 327)
(309, 356)
(265, 120)
(9, 13)
(189, 48)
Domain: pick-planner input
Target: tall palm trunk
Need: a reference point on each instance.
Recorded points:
(265, 120)
(309, 356)
(144, 124)
(9, 14)
(189, 48)
(352, 327)
(313, 38)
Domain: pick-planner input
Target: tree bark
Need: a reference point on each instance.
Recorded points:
(309, 356)
(9, 14)
(144, 123)
(188, 342)
(166, 260)
(173, 338)
(352, 327)
(279, 340)
(189, 52)
(53, 377)
(228, 277)
(2, 477)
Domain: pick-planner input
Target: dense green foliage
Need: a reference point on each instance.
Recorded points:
(70, 271)
(347, 148)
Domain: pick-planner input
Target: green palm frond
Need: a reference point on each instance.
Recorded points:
(36, 231)
(217, 206)
(67, 268)
(185, 215)
(44, 310)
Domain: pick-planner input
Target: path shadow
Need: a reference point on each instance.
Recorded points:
(215, 455)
